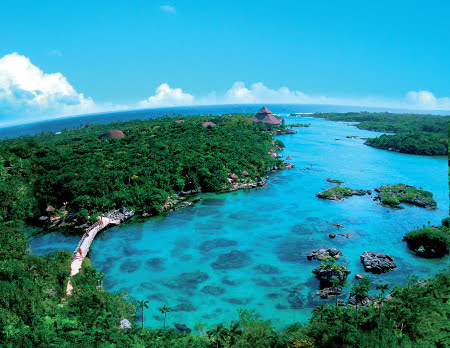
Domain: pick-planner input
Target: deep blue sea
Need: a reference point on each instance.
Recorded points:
(178, 259)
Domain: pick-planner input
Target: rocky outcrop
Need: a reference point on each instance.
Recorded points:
(334, 181)
(321, 254)
(377, 263)
(353, 300)
(326, 293)
(331, 273)
(121, 214)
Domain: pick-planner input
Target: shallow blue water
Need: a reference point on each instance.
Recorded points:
(277, 225)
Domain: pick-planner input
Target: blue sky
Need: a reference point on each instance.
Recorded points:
(115, 55)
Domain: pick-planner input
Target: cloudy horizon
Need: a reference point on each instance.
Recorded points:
(34, 95)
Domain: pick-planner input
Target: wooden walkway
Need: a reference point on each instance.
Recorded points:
(83, 246)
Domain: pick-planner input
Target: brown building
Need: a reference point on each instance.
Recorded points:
(265, 115)
(114, 134)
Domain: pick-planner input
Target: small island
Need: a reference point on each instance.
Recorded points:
(429, 242)
(334, 181)
(337, 193)
(392, 195)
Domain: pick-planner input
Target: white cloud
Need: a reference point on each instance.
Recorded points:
(424, 98)
(27, 90)
(166, 96)
(259, 93)
(28, 93)
(427, 100)
(167, 8)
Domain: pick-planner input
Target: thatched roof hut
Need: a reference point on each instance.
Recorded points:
(50, 209)
(244, 173)
(234, 176)
(180, 121)
(265, 115)
(114, 134)
(209, 123)
(288, 158)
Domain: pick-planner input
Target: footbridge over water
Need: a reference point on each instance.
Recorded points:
(83, 246)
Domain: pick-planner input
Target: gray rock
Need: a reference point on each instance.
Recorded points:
(327, 276)
(377, 263)
(321, 254)
(124, 324)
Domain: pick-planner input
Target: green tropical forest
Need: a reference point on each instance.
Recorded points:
(34, 312)
(155, 158)
(414, 134)
(88, 176)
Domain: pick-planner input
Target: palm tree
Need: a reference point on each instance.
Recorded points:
(382, 288)
(235, 330)
(141, 305)
(320, 310)
(164, 310)
(360, 291)
(220, 333)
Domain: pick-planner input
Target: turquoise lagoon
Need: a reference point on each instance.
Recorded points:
(277, 226)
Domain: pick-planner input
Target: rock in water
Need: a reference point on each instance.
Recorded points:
(321, 254)
(327, 276)
(377, 263)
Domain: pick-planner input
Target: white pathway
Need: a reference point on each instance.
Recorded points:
(82, 248)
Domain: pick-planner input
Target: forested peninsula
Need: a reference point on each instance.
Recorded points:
(81, 173)
(414, 134)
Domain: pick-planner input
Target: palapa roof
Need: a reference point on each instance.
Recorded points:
(50, 209)
(245, 173)
(180, 121)
(209, 123)
(114, 134)
(264, 110)
(265, 115)
(234, 176)
(288, 158)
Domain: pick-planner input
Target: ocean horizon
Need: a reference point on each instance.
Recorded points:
(58, 124)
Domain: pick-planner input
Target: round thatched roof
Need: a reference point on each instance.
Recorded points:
(114, 134)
